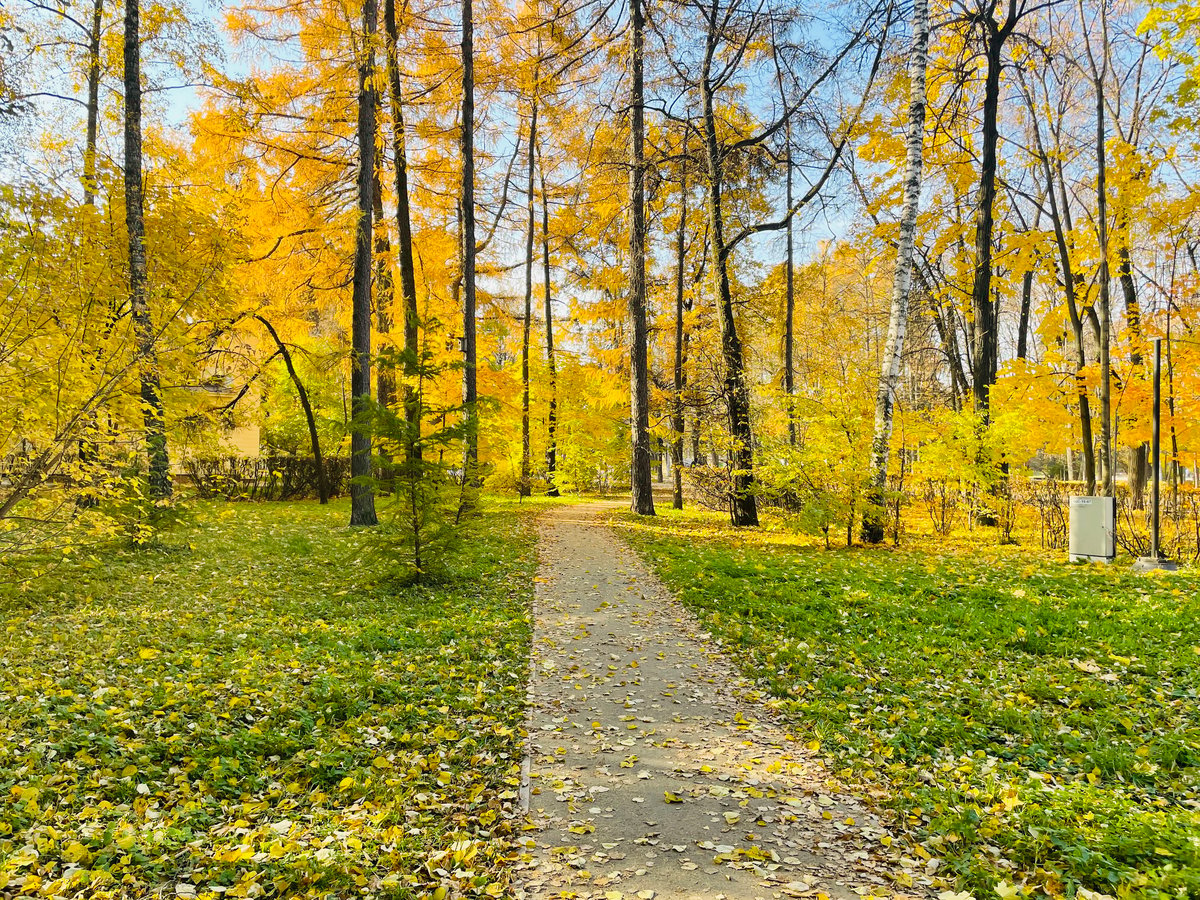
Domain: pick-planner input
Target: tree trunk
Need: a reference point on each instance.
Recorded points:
(404, 250)
(875, 508)
(362, 495)
(680, 352)
(88, 449)
(789, 316)
(1060, 219)
(467, 213)
(743, 510)
(93, 104)
(523, 488)
(1104, 335)
(1085, 412)
(641, 491)
(551, 369)
(385, 286)
(984, 358)
(1138, 456)
(1171, 413)
(314, 440)
(1023, 323)
(153, 413)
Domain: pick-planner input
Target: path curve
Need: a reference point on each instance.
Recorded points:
(653, 771)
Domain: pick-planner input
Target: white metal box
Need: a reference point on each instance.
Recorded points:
(1092, 529)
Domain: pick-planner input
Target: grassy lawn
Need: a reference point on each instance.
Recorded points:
(260, 711)
(1031, 723)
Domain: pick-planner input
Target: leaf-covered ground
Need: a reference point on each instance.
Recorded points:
(260, 712)
(1035, 726)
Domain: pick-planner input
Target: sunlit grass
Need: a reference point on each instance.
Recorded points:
(1029, 721)
(258, 710)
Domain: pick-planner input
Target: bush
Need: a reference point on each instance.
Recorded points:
(273, 477)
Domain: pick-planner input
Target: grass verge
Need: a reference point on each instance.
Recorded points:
(262, 712)
(1033, 725)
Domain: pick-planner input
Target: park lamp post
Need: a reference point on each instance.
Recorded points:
(1156, 560)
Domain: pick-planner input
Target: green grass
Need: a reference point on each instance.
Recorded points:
(1027, 720)
(261, 711)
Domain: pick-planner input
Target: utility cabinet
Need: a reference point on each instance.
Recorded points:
(1091, 535)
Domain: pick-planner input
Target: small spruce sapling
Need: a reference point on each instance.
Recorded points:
(421, 515)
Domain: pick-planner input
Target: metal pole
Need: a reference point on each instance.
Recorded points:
(1155, 448)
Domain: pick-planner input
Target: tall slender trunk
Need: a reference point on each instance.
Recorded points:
(551, 366)
(889, 376)
(153, 413)
(385, 287)
(1060, 218)
(404, 249)
(306, 405)
(1104, 325)
(789, 316)
(362, 495)
(467, 213)
(524, 488)
(88, 449)
(680, 351)
(1138, 456)
(93, 104)
(743, 509)
(1171, 411)
(1023, 322)
(984, 357)
(641, 490)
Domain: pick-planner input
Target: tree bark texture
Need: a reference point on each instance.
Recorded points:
(362, 495)
(680, 348)
(153, 412)
(467, 213)
(551, 366)
(893, 352)
(641, 489)
(404, 248)
(523, 488)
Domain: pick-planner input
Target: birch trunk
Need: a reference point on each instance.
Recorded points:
(889, 376)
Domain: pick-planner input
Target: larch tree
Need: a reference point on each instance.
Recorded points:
(523, 485)
(362, 494)
(466, 216)
(404, 246)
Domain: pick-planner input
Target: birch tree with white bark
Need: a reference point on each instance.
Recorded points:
(893, 353)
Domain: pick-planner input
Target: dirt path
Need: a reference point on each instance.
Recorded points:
(653, 770)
